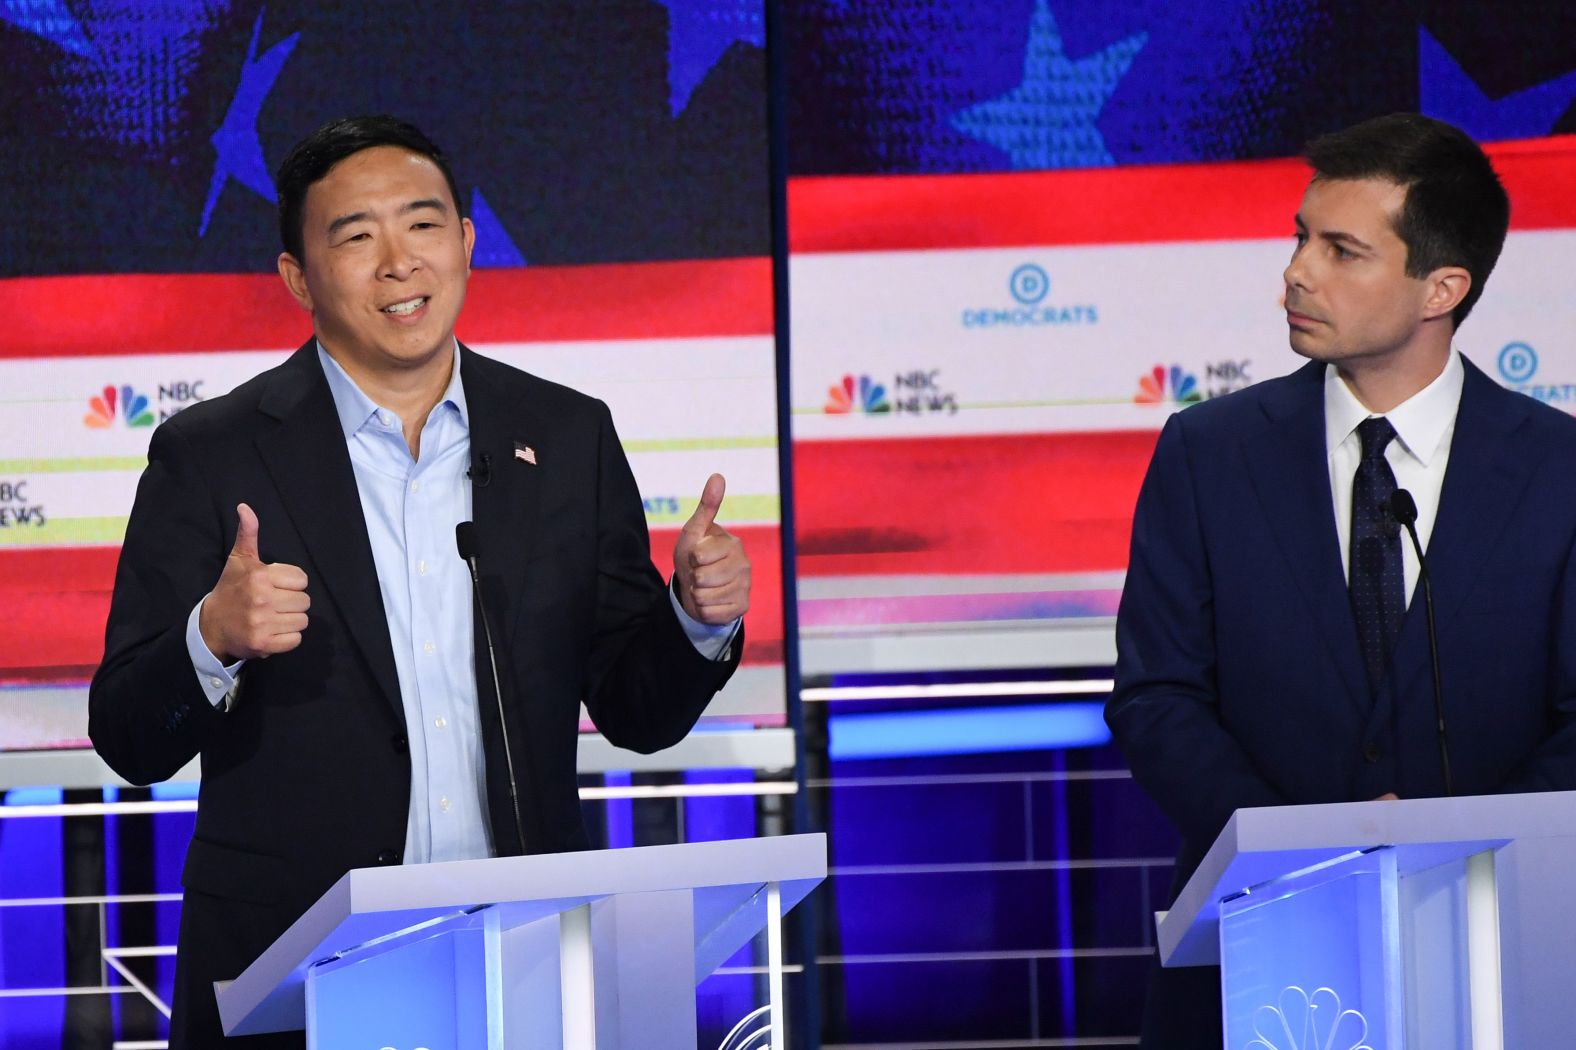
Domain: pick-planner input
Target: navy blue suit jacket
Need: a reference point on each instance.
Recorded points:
(1239, 678)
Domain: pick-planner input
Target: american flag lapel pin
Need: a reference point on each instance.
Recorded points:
(524, 453)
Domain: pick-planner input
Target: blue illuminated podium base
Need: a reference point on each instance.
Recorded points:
(594, 951)
(1431, 924)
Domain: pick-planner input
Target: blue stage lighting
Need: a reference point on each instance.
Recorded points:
(1037, 727)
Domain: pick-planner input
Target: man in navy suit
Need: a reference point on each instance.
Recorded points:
(290, 604)
(1271, 646)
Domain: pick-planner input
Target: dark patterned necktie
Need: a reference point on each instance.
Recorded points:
(1378, 586)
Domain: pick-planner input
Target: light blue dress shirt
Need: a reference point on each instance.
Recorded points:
(411, 507)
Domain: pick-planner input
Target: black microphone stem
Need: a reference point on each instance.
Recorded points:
(465, 537)
(1404, 510)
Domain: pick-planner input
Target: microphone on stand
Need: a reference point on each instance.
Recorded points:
(1403, 510)
(480, 471)
(465, 540)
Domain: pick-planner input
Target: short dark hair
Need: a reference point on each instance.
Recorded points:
(1456, 212)
(315, 156)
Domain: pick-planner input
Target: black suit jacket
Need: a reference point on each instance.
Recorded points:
(308, 775)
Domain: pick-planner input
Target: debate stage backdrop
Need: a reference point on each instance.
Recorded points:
(613, 157)
(1023, 233)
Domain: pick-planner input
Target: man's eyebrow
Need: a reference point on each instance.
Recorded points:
(434, 203)
(425, 202)
(1334, 236)
(1337, 237)
(345, 220)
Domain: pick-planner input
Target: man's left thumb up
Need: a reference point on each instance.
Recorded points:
(710, 503)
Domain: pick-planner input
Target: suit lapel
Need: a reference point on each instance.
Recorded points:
(1290, 474)
(1484, 480)
(507, 509)
(310, 466)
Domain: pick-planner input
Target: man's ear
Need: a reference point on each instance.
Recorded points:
(294, 276)
(1447, 286)
(468, 231)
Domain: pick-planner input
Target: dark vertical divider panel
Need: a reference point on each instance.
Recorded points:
(89, 1021)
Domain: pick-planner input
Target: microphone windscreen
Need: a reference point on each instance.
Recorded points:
(1402, 507)
(465, 539)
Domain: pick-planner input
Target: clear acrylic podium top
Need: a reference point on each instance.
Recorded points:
(1258, 846)
(1419, 923)
(370, 907)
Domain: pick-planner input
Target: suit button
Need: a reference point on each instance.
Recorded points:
(388, 856)
(401, 745)
(1371, 753)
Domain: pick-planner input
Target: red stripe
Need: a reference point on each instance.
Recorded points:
(64, 595)
(1194, 202)
(1027, 503)
(195, 313)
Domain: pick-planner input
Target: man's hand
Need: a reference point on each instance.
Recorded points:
(709, 562)
(255, 610)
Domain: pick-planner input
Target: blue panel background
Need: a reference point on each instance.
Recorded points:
(880, 88)
(142, 135)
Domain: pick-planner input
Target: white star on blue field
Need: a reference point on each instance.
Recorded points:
(1048, 120)
(1446, 93)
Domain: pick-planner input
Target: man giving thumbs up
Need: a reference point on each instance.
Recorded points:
(290, 603)
(710, 564)
(255, 610)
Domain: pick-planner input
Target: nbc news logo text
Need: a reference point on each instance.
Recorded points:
(914, 392)
(134, 409)
(15, 507)
(1177, 386)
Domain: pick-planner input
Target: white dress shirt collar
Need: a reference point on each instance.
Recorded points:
(355, 407)
(1421, 422)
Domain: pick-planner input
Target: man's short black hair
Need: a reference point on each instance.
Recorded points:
(314, 156)
(1456, 212)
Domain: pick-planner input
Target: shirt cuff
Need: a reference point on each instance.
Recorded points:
(714, 642)
(217, 680)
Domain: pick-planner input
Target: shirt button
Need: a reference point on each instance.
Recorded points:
(443, 804)
(383, 417)
(217, 683)
(440, 722)
(415, 486)
(421, 567)
(428, 647)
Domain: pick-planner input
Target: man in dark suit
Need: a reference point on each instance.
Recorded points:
(290, 604)
(1271, 648)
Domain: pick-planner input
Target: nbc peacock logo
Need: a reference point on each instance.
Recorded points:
(863, 395)
(1174, 385)
(1300, 1021)
(132, 405)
